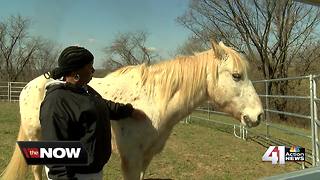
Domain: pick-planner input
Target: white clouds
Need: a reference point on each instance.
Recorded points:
(91, 40)
(86, 42)
(152, 49)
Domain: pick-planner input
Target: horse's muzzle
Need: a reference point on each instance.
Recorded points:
(247, 121)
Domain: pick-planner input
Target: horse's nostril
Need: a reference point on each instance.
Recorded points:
(260, 116)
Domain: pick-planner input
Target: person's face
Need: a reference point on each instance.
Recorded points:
(86, 73)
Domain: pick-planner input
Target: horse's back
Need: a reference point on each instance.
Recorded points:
(123, 86)
(34, 89)
(29, 101)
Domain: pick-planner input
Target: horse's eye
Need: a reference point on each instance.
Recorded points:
(236, 76)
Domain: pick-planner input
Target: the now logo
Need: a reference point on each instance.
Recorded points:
(51, 152)
(54, 152)
(275, 154)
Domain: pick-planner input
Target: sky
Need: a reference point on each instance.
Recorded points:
(94, 24)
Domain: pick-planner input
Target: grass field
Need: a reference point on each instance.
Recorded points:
(193, 151)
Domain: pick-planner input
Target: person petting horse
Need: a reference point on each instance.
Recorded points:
(72, 110)
(167, 92)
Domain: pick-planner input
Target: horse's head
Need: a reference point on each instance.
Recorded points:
(229, 87)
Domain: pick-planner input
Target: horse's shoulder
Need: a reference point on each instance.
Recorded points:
(35, 88)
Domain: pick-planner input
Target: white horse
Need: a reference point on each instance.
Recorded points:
(167, 92)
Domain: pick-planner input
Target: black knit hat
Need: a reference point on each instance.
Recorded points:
(71, 59)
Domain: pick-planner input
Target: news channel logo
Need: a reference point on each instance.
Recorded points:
(53, 152)
(281, 154)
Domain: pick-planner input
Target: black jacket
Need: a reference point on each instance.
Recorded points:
(70, 112)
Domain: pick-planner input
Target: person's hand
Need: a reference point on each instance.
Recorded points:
(139, 115)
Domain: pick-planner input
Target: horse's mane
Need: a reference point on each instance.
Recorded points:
(185, 74)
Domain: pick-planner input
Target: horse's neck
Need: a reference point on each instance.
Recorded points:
(188, 95)
(177, 111)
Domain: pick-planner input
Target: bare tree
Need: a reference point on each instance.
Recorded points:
(276, 30)
(42, 60)
(16, 46)
(129, 49)
(271, 32)
(22, 54)
(308, 59)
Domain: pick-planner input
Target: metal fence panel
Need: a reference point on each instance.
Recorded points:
(4, 91)
(10, 91)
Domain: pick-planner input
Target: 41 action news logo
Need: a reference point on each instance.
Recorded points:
(53, 152)
(280, 154)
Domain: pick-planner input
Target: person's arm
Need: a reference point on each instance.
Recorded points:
(54, 126)
(119, 110)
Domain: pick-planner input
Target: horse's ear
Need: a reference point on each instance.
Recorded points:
(222, 44)
(217, 48)
(214, 44)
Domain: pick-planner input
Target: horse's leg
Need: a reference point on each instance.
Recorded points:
(35, 136)
(37, 172)
(131, 165)
(145, 164)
